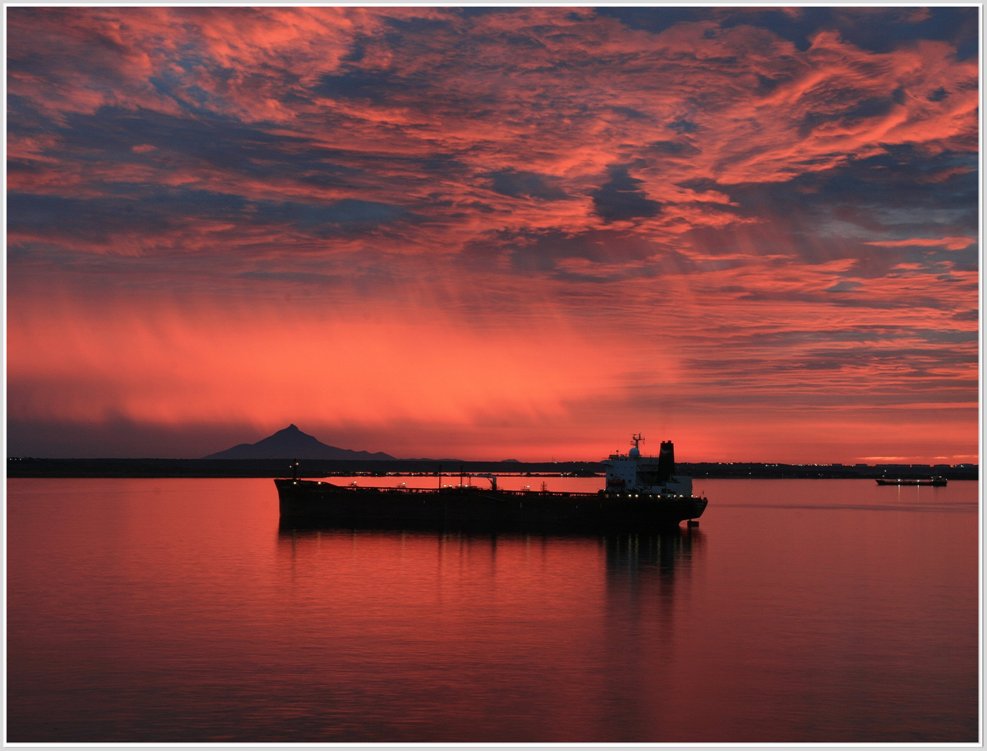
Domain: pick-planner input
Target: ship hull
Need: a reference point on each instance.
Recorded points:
(308, 501)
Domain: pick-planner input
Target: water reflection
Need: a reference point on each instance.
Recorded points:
(649, 556)
(521, 637)
(176, 611)
(658, 554)
(646, 617)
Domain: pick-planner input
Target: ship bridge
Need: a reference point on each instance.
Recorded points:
(632, 472)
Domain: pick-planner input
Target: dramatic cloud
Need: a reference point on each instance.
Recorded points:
(495, 231)
(621, 197)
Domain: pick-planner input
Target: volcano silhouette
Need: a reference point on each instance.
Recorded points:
(292, 443)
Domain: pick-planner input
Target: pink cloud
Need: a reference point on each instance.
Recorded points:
(949, 243)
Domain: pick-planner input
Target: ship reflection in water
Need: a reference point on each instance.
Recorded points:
(657, 553)
(489, 637)
(652, 555)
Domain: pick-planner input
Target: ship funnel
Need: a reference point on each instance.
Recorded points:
(666, 461)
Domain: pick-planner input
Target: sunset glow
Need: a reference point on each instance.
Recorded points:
(492, 233)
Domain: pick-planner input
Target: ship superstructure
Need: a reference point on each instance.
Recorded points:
(652, 475)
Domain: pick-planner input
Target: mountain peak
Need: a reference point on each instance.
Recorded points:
(292, 443)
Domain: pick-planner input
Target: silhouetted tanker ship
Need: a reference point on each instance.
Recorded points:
(641, 494)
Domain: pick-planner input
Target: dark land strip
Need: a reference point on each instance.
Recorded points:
(39, 467)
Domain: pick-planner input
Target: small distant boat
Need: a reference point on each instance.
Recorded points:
(933, 481)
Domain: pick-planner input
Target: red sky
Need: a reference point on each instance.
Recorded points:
(494, 233)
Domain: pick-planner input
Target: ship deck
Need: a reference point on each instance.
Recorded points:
(458, 489)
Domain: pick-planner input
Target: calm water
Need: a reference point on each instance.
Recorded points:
(799, 611)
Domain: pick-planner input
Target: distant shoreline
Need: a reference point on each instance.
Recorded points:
(193, 468)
